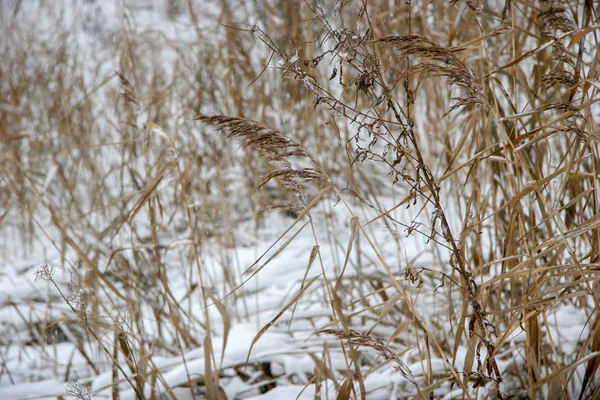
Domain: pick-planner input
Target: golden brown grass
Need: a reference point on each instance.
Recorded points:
(470, 126)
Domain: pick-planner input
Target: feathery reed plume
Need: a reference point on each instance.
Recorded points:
(128, 92)
(552, 20)
(563, 77)
(440, 61)
(361, 339)
(555, 17)
(274, 146)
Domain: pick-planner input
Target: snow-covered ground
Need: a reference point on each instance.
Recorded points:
(29, 299)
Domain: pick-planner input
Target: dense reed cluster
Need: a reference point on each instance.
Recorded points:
(351, 200)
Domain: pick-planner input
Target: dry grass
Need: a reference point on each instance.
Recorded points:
(466, 129)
